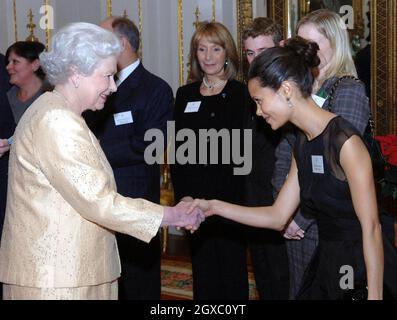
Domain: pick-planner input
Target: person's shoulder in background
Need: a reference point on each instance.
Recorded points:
(154, 80)
(187, 89)
(363, 65)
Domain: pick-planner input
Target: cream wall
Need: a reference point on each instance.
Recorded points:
(159, 25)
(259, 8)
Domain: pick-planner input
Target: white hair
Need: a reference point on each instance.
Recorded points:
(78, 47)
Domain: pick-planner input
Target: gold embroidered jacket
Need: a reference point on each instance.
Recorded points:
(62, 204)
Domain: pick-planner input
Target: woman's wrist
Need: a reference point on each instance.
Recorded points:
(216, 207)
(375, 294)
(375, 297)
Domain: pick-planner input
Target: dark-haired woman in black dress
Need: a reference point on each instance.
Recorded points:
(330, 177)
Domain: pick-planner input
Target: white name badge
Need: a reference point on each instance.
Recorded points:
(193, 106)
(317, 164)
(318, 100)
(123, 118)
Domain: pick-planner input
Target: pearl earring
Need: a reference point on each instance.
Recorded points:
(290, 105)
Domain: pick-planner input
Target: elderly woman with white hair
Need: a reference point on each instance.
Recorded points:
(62, 203)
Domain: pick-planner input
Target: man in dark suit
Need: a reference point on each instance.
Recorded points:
(268, 249)
(143, 101)
(7, 127)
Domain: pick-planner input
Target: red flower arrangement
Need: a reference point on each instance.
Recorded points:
(388, 145)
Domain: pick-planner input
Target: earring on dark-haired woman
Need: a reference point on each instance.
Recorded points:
(226, 63)
(290, 105)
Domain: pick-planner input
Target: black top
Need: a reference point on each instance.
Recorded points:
(225, 110)
(325, 195)
(324, 190)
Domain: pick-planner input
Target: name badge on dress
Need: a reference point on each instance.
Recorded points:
(317, 164)
(123, 118)
(193, 106)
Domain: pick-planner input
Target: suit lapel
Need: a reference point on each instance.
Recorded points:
(128, 86)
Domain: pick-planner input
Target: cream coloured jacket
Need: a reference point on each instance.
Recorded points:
(62, 204)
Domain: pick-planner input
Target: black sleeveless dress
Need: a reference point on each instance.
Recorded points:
(325, 196)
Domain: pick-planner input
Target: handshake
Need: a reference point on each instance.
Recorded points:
(4, 146)
(186, 214)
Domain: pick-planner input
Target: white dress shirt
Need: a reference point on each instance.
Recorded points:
(124, 74)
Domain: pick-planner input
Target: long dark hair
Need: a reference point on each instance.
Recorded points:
(297, 61)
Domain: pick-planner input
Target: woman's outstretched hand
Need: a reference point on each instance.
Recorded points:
(204, 205)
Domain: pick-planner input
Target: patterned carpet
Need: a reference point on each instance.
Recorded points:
(177, 282)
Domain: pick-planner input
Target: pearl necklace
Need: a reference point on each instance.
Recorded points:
(213, 86)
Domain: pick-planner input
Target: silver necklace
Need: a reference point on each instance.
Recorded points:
(213, 86)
